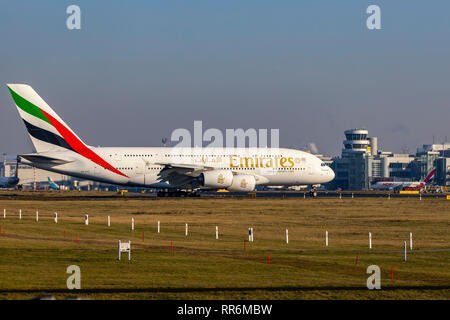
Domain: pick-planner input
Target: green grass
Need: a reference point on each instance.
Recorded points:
(34, 255)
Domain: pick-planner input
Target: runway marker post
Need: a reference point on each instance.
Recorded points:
(171, 246)
(392, 273)
(132, 223)
(109, 221)
(186, 230)
(404, 251)
(217, 232)
(76, 238)
(37, 216)
(55, 217)
(287, 236)
(410, 241)
(86, 219)
(20, 214)
(326, 238)
(268, 259)
(4, 213)
(250, 234)
(370, 240)
(357, 258)
(158, 226)
(142, 236)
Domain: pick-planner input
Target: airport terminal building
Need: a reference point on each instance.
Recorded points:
(362, 163)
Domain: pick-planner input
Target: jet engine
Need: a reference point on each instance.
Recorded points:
(216, 179)
(242, 183)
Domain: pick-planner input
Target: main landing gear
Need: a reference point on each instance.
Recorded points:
(177, 193)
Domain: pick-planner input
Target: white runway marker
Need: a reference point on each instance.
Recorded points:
(404, 249)
(410, 241)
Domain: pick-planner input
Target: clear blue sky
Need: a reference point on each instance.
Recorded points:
(139, 69)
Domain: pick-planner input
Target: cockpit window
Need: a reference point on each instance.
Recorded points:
(323, 164)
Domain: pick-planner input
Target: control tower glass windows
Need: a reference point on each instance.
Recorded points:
(352, 136)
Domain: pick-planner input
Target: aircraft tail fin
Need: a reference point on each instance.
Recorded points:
(429, 176)
(52, 185)
(47, 131)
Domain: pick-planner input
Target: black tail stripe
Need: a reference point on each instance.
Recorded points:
(46, 136)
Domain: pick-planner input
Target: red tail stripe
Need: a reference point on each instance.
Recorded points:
(430, 175)
(79, 146)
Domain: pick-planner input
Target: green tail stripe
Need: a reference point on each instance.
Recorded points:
(28, 107)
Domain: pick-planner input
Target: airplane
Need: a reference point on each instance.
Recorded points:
(175, 170)
(396, 185)
(10, 182)
(52, 185)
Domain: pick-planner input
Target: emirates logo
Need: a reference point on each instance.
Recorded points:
(220, 178)
(244, 183)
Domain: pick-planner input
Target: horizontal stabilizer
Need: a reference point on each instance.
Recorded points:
(36, 158)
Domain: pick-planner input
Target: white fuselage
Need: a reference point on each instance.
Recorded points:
(141, 166)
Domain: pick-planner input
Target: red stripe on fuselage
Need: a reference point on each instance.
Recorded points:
(79, 146)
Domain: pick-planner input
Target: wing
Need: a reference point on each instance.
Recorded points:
(181, 175)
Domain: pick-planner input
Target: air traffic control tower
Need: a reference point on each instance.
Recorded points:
(356, 142)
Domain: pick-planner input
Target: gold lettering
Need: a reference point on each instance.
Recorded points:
(246, 162)
(283, 161)
(269, 164)
(231, 162)
(291, 161)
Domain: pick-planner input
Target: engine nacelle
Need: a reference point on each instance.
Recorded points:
(242, 183)
(216, 179)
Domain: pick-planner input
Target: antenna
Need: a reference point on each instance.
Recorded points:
(164, 141)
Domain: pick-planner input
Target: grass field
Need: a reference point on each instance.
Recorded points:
(34, 255)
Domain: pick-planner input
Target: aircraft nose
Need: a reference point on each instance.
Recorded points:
(331, 174)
